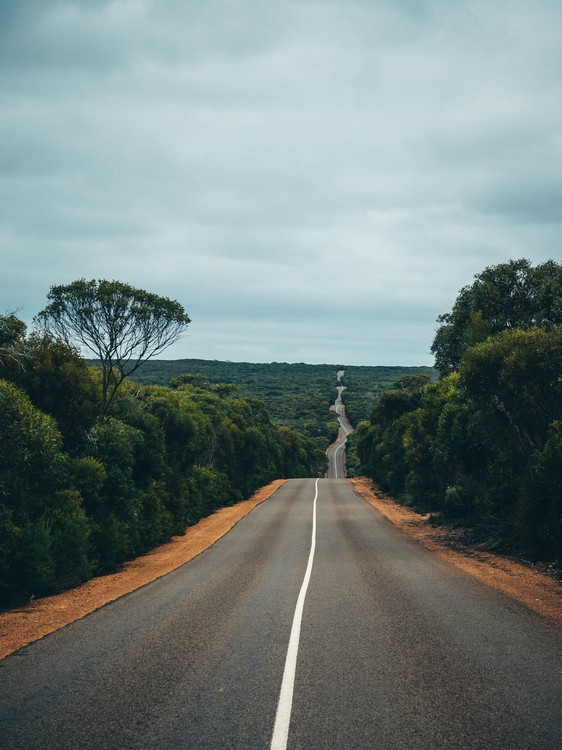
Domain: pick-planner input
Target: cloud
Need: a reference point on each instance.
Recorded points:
(307, 173)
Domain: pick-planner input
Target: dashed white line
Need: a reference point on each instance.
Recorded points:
(285, 705)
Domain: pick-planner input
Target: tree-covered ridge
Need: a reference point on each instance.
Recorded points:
(483, 445)
(81, 491)
(296, 395)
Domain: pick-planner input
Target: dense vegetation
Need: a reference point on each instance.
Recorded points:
(88, 481)
(81, 491)
(483, 444)
(296, 395)
(365, 384)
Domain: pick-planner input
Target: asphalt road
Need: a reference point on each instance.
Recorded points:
(336, 452)
(396, 649)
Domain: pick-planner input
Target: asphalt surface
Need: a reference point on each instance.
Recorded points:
(336, 452)
(397, 649)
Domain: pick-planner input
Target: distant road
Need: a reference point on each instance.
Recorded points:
(394, 649)
(336, 452)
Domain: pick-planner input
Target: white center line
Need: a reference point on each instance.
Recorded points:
(344, 433)
(285, 705)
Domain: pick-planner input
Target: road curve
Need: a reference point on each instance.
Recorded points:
(336, 452)
(396, 649)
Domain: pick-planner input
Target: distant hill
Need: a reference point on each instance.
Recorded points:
(257, 376)
(298, 395)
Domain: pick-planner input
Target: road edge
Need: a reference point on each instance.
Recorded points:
(24, 625)
(534, 590)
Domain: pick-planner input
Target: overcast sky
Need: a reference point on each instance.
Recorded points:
(313, 180)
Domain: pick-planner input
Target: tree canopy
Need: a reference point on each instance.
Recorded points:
(80, 492)
(120, 325)
(507, 296)
(482, 447)
(12, 330)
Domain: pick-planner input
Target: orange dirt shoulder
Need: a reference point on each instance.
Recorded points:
(22, 626)
(537, 591)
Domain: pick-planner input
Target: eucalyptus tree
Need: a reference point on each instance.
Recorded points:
(12, 332)
(120, 325)
(512, 295)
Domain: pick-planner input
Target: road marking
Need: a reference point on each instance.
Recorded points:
(338, 449)
(344, 434)
(285, 705)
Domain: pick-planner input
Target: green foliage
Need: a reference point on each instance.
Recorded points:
(89, 476)
(120, 325)
(297, 396)
(8, 544)
(364, 385)
(30, 454)
(114, 443)
(59, 382)
(482, 446)
(43, 527)
(165, 458)
(157, 524)
(209, 489)
(12, 331)
(33, 570)
(508, 296)
(517, 373)
(539, 509)
(70, 530)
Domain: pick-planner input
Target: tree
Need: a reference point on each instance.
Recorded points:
(120, 325)
(59, 382)
(186, 378)
(507, 296)
(12, 332)
(518, 374)
(405, 396)
(31, 457)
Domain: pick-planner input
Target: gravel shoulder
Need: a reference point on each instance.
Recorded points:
(535, 590)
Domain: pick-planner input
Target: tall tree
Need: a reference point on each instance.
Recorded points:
(507, 296)
(12, 332)
(120, 325)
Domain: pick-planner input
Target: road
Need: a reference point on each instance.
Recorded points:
(336, 452)
(395, 649)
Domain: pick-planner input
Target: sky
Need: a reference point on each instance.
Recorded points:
(313, 180)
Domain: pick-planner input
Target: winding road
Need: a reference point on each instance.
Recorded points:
(336, 452)
(312, 624)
